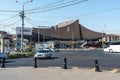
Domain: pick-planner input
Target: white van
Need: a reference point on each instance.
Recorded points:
(112, 48)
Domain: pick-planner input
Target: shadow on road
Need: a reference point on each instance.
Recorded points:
(52, 58)
(9, 61)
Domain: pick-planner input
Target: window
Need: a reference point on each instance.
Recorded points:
(68, 29)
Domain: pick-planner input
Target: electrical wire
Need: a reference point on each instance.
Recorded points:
(61, 5)
(32, 20)
(16, 22)
(47, 5)
(54, 5)
(33, 23)
(8, 11)
(98, 12)
(9, 18)
(29, 22)
(11, 23)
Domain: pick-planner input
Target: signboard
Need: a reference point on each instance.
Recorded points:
(26, 31)
(4, 45)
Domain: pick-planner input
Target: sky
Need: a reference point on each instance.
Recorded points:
(96, 15)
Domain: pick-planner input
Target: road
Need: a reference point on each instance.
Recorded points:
(75, 58)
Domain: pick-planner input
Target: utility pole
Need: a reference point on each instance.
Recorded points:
(22, 15)
(22, 28)
(103, 37)
(39, 36)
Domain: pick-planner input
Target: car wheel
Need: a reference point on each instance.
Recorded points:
(111, 50)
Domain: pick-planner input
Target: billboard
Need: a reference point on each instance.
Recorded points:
(26, 31)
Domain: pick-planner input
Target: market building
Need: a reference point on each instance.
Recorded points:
(65, 35)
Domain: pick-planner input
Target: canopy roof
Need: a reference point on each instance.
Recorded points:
(67, 31)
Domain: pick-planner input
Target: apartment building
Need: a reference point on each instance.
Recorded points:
(111, 38)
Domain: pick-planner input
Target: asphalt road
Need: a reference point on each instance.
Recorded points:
(75, 58)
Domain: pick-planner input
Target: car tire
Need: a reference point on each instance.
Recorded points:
(110, 50)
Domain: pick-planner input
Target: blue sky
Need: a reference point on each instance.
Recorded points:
(97, 15)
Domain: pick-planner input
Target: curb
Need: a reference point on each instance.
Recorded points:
(115, 70)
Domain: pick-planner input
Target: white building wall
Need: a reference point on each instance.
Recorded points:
(111, 38)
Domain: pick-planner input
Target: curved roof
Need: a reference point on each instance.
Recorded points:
(63, 24)
(88, 34)
(68, 30)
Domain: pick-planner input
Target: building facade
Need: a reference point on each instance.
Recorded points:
(67, 34)
(65, 31)
(111, 38)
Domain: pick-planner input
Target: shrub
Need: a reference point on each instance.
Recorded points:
(19, 55)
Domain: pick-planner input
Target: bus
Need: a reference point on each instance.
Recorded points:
(113, 47)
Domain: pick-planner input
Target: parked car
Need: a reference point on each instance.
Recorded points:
(3, 55)
(43, 53)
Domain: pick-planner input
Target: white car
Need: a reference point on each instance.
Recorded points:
(112, 48)
(43, 53)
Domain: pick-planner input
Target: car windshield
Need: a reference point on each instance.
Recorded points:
(42, 51)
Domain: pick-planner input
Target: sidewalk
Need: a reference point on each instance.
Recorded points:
(55, 73)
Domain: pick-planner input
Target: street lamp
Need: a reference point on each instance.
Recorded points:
(22, 15)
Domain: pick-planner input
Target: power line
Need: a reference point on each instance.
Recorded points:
(29, 21)
(8, 11)
(44, 6)
(11, 23)
(101, 17)
(98, 12)
(14, 22)
(54, 4)
(9, 18)
(61, 5)
(32, 22)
